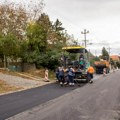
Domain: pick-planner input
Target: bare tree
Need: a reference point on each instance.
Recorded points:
(15, 17)
(35, 8)
(13, 20)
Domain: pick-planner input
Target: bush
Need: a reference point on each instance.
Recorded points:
(48, 60)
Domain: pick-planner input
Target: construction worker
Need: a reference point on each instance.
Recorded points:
(71, 74)
(61, 75)
(90, 72)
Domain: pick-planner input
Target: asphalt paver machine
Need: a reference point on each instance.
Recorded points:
(77, 57)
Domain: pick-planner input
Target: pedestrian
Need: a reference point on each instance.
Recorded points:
(90, 72)
(46, 76)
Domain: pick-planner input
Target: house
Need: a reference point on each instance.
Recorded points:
(115, 58)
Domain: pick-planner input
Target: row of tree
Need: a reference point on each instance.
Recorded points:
(30, 36)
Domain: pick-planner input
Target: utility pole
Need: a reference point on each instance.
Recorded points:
(109, 56)
(85, 32)
(109, 52)
(85, 44)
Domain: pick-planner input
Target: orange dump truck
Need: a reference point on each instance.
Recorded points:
(101, 65)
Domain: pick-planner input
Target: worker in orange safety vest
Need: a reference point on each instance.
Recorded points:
(90, 72)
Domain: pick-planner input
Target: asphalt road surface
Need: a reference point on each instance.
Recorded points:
(97, 101)
(15, 103)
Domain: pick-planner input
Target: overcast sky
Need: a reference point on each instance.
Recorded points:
(100, 17)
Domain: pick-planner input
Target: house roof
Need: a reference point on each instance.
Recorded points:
(115, 57)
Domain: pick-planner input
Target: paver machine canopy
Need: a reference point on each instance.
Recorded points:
(75, 55)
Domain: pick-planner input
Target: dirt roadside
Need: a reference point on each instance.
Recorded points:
(19, 82)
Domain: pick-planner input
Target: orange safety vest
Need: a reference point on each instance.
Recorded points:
(91, 70)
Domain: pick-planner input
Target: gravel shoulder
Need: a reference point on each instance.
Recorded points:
(25, 81)
(22, 83)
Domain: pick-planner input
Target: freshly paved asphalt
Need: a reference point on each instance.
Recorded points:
(15, 103)
(97, 101)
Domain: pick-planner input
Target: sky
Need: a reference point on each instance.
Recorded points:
(100, 17)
